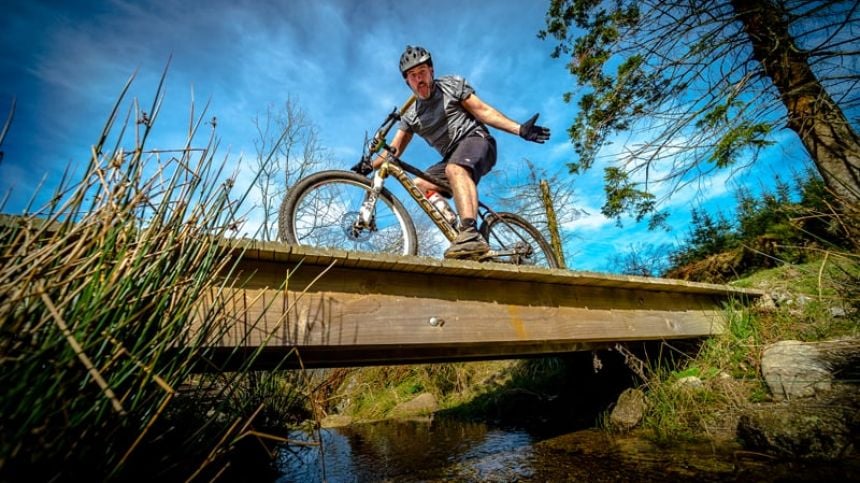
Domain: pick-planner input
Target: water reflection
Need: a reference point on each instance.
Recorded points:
(451, 450)
(414, 450)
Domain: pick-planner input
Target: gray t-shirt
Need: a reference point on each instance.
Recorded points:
(441, 120)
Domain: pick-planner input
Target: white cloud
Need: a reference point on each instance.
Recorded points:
(336, 58)
(590, 222)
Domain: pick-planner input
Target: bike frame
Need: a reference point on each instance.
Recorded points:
(394, 166)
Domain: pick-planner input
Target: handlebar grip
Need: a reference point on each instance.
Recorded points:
(376, 144)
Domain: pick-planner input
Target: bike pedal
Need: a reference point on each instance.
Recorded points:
(490, 255)
(499, 258)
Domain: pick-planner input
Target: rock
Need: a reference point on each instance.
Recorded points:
(802, 300)
(628, 410)
(799, 426)
(765, 304)
(788, 431)
(424, 403)
(793, 369)
(691, 382)
(346, 389)
(335, 421)
(781, 297)
(784, 297)
(838, 312)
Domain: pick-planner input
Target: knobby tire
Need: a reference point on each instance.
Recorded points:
(502, 230)
(319, 209)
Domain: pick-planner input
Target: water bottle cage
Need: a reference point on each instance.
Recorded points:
(440, 205)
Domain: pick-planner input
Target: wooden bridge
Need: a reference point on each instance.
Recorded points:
(302, 307)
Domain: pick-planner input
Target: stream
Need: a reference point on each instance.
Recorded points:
(444, 449)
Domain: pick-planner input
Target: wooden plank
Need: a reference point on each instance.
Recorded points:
(339, 308)
(327, 319)
(365, 315)
(344, 308)
(454, 267)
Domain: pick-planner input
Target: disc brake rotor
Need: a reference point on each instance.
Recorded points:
(523, 253)
(354, 232)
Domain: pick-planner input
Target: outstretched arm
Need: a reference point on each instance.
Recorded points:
(490, 116)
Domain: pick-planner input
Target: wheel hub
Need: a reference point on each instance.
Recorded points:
(353, 228)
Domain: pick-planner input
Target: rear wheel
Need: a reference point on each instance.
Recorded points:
(322, 209)
(508, 233)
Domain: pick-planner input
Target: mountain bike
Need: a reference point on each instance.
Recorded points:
(349, 210)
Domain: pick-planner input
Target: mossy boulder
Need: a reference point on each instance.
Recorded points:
(797, 431)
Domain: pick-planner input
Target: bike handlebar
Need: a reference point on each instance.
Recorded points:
(377, 143)
(379, 138)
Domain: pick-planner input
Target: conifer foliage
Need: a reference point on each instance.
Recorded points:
(792, 223)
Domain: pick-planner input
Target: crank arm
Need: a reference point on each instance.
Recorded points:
(494, 254)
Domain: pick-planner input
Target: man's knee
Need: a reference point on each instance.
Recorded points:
(452, 170)
(424, 186)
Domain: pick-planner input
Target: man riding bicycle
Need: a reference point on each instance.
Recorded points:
(453, 120)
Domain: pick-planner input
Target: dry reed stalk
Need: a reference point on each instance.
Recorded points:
(7, 124)
(820, 274)
(145, 431)
(110, 272)
(147, 369)
(85, 360)
(279, 323)
(213, 453)
(280, 439)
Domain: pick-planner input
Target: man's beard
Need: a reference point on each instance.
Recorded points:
(421, 87)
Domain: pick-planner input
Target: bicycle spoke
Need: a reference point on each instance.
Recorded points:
(324, 212)
(515, 241)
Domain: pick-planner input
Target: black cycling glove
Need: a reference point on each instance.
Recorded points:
(364, 167)
(530, 132)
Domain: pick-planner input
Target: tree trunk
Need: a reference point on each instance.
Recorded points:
(552, 223)
(822, 126)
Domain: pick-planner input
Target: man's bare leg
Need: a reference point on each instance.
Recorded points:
(469, 243)
(465, 191)
(425, 186)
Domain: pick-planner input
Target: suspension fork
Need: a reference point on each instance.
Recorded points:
(367, 212)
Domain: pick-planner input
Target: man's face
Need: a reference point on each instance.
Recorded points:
(420, 80)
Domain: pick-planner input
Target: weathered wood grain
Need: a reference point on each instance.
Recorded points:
(292, 306)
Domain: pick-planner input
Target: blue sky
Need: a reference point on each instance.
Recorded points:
(66, 61)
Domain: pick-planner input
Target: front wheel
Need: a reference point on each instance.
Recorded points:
(322, 210)
(509, 233)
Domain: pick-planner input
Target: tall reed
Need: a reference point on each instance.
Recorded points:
(97, 291)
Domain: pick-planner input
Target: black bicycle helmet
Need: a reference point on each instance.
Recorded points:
(414, 56)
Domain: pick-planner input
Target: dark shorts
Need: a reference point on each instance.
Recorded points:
(477, 153)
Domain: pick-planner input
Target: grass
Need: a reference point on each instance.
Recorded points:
(99, 290)
(728, 365)
(371, 393)
(683, 411)
(535, 392)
